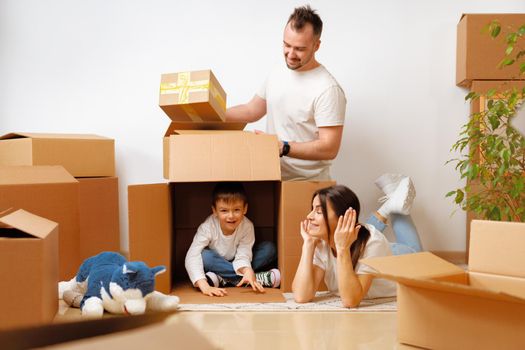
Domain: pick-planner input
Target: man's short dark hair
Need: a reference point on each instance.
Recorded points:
(229, 192)
(303, 15)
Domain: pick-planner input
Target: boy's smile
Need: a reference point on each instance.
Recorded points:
(230, 214)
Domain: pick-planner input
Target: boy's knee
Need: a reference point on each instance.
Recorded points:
(268, 247)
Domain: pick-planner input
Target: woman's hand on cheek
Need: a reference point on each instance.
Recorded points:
(346, 231)
(305, 233)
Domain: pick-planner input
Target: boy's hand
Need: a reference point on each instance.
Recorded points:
(206, 289)
(248, 277)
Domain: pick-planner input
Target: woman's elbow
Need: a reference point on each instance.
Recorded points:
(300, 298)
(350, 302)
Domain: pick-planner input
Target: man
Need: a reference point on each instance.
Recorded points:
(304, 104)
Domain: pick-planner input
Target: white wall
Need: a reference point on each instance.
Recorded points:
(94, 67)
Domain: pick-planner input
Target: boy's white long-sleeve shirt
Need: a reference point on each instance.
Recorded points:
(237, 246)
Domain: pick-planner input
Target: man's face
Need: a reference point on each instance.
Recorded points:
(299, 47)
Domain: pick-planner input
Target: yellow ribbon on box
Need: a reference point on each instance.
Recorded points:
(184, 86)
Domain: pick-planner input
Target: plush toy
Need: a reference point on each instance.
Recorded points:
(107, 281)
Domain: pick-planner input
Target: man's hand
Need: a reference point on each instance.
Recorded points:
(206, 289)
(248, 277)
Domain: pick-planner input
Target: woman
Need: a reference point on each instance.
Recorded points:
(334, 242)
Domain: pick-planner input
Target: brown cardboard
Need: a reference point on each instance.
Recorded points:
(478, 55)
(81, 155)
(163, 219)
(110, 332)
(50, 192)
(441, 306)
(295, 204)
(28, 269)
(220, 155)
(192, 96)
(99, 215)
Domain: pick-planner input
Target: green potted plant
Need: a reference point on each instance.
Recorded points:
(491, 152)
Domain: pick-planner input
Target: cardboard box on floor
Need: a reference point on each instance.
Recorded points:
(99, 216)
(28, 269)
(478, 55)
(441, 306)
(193, 96)
(163, 218)
(50, 192)
(146, 331)
(81, 155)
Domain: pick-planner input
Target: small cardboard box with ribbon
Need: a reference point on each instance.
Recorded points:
(194, 96)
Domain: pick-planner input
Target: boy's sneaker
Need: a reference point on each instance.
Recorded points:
(215, 280)
(270, 279)
(400, 200)
(388, 182)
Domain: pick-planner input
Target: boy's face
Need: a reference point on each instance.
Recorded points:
(230, 214)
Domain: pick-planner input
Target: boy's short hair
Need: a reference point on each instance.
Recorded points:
(228, 192)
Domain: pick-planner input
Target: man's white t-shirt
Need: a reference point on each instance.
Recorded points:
(297, 104)
(377, 245)
(237, 246)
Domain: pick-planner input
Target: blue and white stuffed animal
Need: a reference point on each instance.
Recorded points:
(107, 281)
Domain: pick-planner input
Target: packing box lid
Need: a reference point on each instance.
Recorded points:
(176, 126)
(35, 135)
(28, 223)
(22, 175)
(196, 152)
(497, 248)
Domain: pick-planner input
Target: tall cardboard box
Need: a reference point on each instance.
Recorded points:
(82, 155)
(163, 218)
(478, 55)
(98, 215)
(194, 96)
(441, 306)
(28, 269)
(50, 192)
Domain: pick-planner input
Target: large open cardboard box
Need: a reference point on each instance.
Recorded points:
(50, 192)
(441, 306)
(478, 55)
(192, 96)
(81, 155)
(163, 218)
(28, 269)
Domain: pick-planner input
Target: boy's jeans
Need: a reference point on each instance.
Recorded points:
(264, 254)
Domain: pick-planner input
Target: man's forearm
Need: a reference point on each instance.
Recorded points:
(313, 150)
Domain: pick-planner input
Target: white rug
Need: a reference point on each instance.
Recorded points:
(324, 301)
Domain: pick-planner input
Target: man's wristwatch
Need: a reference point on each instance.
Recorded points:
(286, 149)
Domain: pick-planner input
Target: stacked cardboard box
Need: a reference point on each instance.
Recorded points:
(88, 219)
(28, 269)
(477, 63)
(163, 218)
(441, 306)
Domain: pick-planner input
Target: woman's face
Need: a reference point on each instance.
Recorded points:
(317, 220)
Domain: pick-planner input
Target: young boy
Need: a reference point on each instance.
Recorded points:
(221, 252)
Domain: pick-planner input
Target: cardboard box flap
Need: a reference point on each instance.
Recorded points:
(222, 156)
(417, 265)
(497, 248)
(29, 223)
(457, 288)
(174, 126)
(18, 175)
(34, 135)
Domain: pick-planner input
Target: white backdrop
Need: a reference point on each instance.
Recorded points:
(94, 66)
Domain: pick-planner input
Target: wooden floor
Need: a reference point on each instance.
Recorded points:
(286, 330)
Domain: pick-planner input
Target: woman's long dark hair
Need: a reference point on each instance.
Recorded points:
(341, 198)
